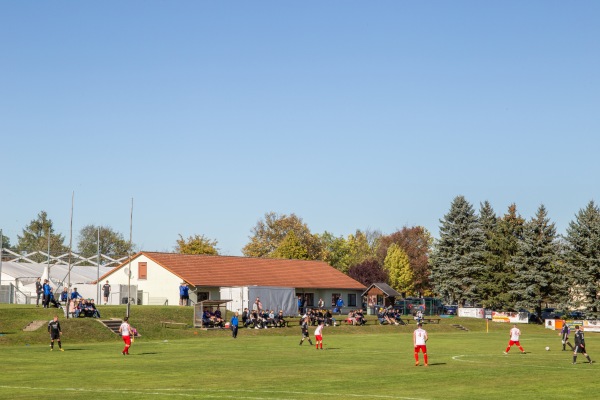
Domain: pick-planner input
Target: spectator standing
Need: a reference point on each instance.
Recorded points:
(106, 292)
(39, 290)
(64, 296)
(580, 345)
(420, 344)
(257, 305)
(47, 292)
(55, 333)
(564, 334)
(321, 304)
(234, 325)
(125, 331)
(300, 305)
(514, 334)
(184, 294)
(75, 294)
(319, 335)
(339, 304)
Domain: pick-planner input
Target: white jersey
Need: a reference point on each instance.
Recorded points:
(420, 337)
(319, 330)
(125, 329)
(514, 334)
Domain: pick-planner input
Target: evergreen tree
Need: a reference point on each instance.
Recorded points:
(457, 261)
(36, 235)
(501, 246)
(398, 268)
(583, 257)
(535, 263)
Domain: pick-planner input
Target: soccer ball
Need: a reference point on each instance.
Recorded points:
(547, 348)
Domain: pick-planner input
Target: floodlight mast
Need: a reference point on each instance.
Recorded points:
(68, 303)
(129, 272)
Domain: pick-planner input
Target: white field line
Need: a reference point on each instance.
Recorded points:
(217, 393)
(460, 359)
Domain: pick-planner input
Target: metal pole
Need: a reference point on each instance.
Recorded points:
(129, 274)
(98, 271)
(70, 251)
(48, 252)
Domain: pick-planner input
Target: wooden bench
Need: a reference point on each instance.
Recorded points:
(431, 320)
(169, 324)
(348, 321)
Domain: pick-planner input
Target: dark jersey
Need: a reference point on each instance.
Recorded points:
(54, 326)
(106, 289)
(38, 287)
(579, 339)
(565, 331)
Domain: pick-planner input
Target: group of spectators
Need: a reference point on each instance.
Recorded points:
(212, 318)
(262, 319)
(389, 316)
(319, 314)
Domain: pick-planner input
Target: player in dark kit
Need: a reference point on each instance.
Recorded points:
(304, 328)
(55, 332)
(564, 334)
(580, 345)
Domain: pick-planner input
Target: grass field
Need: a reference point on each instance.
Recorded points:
(370, 362)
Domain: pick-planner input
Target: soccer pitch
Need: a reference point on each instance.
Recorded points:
(462, 365)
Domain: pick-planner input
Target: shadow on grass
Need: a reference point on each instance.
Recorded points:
(145, 354)
(433, 364)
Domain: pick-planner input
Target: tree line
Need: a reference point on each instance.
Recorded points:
(503, 262)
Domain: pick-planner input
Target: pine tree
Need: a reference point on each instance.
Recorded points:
(501, 246)
(583, 257)
(36, 236)
(398, 268)
(457, 262)
(535, 263)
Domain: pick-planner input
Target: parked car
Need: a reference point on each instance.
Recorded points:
(575, 315)
(551, 313)
(451, 309)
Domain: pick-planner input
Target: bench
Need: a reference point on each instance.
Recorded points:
(349, 321)
(169, 324)
(431, 320)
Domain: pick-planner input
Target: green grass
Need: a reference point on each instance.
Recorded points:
(359, 362)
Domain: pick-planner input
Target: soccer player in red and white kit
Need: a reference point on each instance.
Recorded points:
(125, 331)
(319, 335)
(419, 341)
(515, 333)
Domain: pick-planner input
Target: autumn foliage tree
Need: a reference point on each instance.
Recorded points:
(197, 244)
(368, 272)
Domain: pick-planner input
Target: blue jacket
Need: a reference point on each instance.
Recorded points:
(234, 321)
(47, 289)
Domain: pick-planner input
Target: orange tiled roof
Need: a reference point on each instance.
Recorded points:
(225, 271)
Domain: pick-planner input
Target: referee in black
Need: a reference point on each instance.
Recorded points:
(580, 345)
(55, 332)
(564, 334)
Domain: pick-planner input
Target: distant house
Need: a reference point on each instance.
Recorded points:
(380, 295)
(156, 277)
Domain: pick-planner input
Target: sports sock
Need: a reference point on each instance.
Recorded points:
(574, 359)
(321, 346)
(425, 358)
(59, 345)
(417, 357)
(588, 358)
(51, 345)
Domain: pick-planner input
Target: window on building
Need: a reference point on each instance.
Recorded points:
(142, 270)
(351, 299)
(334, 297)
(202, 296)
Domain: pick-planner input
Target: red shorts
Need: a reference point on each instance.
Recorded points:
(421, 347)
(319, 338)
(127, 340)
(510, 343)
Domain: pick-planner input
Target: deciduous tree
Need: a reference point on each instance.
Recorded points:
(112, 244)
(269, 232)
(368, 272)
(400, 273)
(291, 248)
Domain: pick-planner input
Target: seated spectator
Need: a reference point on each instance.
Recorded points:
(351, 319)
(53, 301)
(218, 318)
(207, 318)
(382, 317)
(79, 310)
(90, 310)
(271, 320)
(64, 296)
(329, 320)
(280, 321)
(245, 317)
(72, 308)
(391, 316)
(359, 317)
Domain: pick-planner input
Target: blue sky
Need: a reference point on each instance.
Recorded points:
(352, 115)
